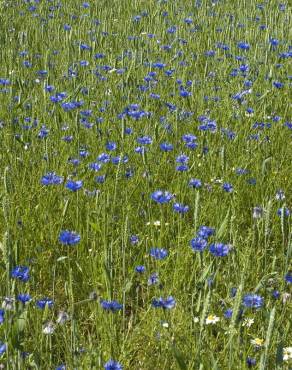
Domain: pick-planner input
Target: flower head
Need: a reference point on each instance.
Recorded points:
(253, 301)
(21, 273)
(69, 237)
(113, 365)
(219, 249)
(165, 303)
(212, 319)
(161, 197)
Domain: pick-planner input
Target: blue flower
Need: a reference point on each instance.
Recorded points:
(253, 301)
(113, 365)
(243, 45)
(206, 231)
(166, 303)
(161, 197)
(219, 249)
(69, 237)
(195, 183)
(140, 269)
(227, 187)
(134, 239)
(180, 208)
(228, 313)
(198, 244)
(21, 273)
(2, 314)
(251, 361)
(42, 303)
(3, 348)
(51, 179)
(288, 277)
(111, 305)
(23, 298)
(166, 147)
(158, 253)
(74, 185)
(153, 279)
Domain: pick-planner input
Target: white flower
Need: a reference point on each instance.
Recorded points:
(248, 322)
(287, 353)
(8, 303)
(49, 328)
(257, 342)
(286, 297)
(62, 317)
(212, 319)
(196, 319)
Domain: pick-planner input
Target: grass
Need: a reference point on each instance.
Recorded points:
(105, 215)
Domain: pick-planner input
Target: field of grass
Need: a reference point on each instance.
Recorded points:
(145, 184)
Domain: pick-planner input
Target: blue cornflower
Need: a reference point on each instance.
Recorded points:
(166, 147)
(153, 279)
(206, 231)
(227, 187)
(253, 301)
(140, 269)
(251, 361)
(182, 168)
(283, 211)
(111, 305)
(180, 208)
(288, 277)
(23, 298)
(134, 239)
(21, 273)
(42, 303)
(104, 158)
(111, 145)
(243, 45)
(113, 365)
(69, 237)
(61, 367)
(2, 314)
(95, 166)
(161, 197)
(276, 294)
(3, 348)
(144, 140)
(228, 313)
(51, 179)
(158, 253)
(195, 183)
(165, 303)
(182, 158)
(219, 249)
(198, 244)
(74, 185)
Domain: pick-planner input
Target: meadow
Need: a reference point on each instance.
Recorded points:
(145, 185)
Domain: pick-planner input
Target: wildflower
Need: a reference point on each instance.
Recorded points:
(2, 314)
(251, 361)
(257, 342)
(3, 348)
(287, 353)
(228, 313)
(69, 237)
(161, 197)
(288, 277)
(180, 208)
(158, 253)
(24, 298)
(113, 365)
(285, 297)
(195, 183)
(74, 185)
(134, 239)
(153, 279)
(42, 303)
(219, 249)
(140, 269)
(206, 231)
(248, 322)
(8, 303)
(62, 317)
(198, 244)
(227, 187)
(280, 195)
(257, 212)
(21, 273)
(48, 328)
(51, 179)
(212, 319)
(111, 305)
(166, 303)
(253, 301)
